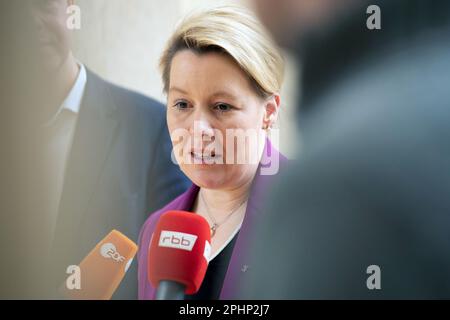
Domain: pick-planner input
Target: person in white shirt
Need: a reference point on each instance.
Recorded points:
(107, 154)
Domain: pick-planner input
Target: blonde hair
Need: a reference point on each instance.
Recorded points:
(236, 32)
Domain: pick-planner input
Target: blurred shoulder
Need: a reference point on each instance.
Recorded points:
(127, 100)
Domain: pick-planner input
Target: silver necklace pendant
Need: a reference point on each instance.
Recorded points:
(213, 229)
(216, 225)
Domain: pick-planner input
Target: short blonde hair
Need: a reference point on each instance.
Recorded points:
(236, 32)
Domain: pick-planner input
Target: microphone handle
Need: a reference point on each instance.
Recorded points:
(170, 290)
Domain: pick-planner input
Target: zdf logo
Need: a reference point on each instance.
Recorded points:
(108, 250)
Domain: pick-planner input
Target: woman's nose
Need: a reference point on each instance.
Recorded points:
(201, 127)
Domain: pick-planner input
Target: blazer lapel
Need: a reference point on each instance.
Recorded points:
(238, 265)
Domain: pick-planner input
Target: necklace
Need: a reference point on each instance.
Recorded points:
(216, 224)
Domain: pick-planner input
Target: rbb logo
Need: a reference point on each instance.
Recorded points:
(108, 250)
(177, 240)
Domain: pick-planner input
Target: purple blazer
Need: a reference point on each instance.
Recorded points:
(239, 258)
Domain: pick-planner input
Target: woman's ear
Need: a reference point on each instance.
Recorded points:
(272, 106)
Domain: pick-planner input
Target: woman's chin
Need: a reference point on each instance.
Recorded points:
(210, 178)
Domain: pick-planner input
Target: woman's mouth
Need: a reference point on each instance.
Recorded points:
(204, 158)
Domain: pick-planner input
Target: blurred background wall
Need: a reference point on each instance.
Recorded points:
(122, 40)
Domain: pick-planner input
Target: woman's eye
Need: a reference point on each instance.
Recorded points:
(181, 105)
(222, 107)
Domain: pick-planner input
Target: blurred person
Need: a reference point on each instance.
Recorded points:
(370, 187)
(14, 242)
(221, 72)
(290, 20)
(102, 156)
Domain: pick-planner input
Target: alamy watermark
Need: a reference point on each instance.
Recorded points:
(73, 21)
(374, 280)
(374, 20)
(236, 146)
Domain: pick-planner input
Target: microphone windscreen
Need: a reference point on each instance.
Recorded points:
(179, 250)
(102, 270)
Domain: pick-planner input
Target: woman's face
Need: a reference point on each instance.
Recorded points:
(209, 97)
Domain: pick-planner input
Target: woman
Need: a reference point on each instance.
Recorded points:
(222, 76)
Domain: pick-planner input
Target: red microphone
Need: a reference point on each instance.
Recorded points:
(178, 255)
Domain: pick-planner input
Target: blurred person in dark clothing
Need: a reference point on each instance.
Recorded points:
(371, 185)
(23, 231)
(97, 156)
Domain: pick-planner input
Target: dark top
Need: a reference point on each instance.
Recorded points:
(215, 275)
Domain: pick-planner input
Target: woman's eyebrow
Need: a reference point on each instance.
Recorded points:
(216, 94)
(224, 94)
(178, 89)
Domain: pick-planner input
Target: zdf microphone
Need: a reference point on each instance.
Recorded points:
(102, 270)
